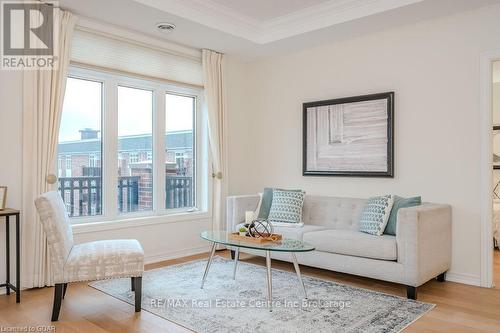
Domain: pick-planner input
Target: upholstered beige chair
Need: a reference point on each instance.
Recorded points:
(90, 261)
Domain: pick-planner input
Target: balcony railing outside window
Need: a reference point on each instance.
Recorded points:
(82, 195)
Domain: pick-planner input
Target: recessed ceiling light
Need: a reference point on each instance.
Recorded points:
(165, 26)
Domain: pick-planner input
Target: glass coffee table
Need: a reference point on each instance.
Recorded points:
(285, 245)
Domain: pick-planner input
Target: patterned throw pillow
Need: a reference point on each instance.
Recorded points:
(376, 214)
(286, 206)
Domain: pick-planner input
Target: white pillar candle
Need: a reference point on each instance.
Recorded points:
(249, 217)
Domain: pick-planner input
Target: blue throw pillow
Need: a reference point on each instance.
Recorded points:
(265, 205)
(399, 202)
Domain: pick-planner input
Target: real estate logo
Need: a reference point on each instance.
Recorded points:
(28, 35)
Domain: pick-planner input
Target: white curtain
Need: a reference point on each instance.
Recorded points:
(214, 97)
(43, 93)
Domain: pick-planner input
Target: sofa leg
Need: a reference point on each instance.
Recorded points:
(65, 287)
(138, 293)
(132, 283)
(58, 294)
(441, 277)
(233, 254)
(411, 292)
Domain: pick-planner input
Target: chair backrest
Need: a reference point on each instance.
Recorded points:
(57, 227)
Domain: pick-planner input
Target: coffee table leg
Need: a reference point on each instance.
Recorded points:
(236, 258)
(209, 262)
(269, 281)
(297, 270)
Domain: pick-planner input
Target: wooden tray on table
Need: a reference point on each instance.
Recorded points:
(275, 238)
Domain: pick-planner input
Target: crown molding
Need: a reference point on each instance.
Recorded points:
(219, 17)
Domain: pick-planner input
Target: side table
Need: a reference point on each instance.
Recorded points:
(7, 213)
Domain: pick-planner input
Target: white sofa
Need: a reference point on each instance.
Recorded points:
(420, 251)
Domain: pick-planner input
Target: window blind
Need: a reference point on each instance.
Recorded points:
(116, 53)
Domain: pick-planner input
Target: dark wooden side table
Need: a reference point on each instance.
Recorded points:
(7, 213)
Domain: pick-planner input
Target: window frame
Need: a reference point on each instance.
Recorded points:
(110, 216)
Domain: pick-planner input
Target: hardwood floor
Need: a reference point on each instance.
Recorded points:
(496, 268)
(459, 308)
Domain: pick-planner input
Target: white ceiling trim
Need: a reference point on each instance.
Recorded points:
(323, 15)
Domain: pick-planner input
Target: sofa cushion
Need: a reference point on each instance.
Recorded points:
(292, 232)
(353, 243)
(297, 233)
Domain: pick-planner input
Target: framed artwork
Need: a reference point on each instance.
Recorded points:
(352, 136)
(496, 147)
(3, 197)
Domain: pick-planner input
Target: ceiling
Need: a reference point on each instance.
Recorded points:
(252, 29)
(265, 21)
(262, 10)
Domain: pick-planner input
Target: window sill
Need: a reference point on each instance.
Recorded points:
(134, 222)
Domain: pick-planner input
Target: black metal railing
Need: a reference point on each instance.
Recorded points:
(128, 194)
(179, 192)
(83, 195)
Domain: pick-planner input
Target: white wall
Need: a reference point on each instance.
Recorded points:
(160, 241)
(433, 67)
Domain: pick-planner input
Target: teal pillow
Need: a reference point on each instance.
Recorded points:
(265, 205)
(267, 200)
(399, 202)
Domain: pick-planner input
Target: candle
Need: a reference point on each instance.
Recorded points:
(249, 217)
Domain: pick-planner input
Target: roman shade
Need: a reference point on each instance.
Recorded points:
(112, 52)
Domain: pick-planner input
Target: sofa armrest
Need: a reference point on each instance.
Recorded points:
(423, 237)
(237, 206)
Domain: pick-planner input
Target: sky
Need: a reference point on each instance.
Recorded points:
(82, 109)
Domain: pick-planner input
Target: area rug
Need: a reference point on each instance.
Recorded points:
(227, 305)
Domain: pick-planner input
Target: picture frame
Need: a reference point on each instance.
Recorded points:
(3, 197)
(350, 136)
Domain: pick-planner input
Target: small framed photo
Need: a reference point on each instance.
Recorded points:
(3, 197)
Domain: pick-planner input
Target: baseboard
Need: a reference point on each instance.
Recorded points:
(473, 280)
(150, 259)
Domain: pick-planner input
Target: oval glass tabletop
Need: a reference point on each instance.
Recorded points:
(284, 245)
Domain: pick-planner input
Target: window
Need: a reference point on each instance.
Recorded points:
(144, 162)
(135, 137)
(179, 133)
(79, 140)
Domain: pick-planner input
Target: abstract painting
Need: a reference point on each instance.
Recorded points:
(350, 136)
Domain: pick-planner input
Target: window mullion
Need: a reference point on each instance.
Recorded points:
(110, 147)
(159, 154)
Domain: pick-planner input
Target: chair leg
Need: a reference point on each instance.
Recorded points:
(233, 254)
(65, 287)
(132, 282)
(441, 277)
(411, 292)
(138, 293)
(58, 293)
